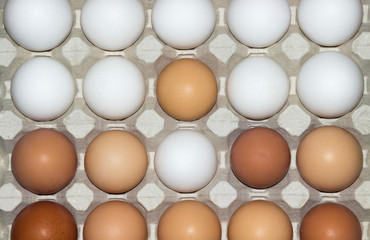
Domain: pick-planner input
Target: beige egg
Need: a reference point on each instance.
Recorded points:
(189, 220)
(115, 220)
(259, 220)
(329, 158)
(116, 161)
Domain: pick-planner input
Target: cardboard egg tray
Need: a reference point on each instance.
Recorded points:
(224, 194)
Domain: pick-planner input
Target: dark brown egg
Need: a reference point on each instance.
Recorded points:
(260, 157)
(44, 220)
(44, 161)
(330, 221)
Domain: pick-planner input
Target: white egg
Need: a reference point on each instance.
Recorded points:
(112, 24)
(257, 87)
(258, 23)
(114, 88)
(185, 161)
(330, 22)
(42, 89)
(38, 25)
(330, 84)
(183, 24)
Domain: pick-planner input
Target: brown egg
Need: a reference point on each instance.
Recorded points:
(260, 157)
(115, 220)
(44, 161)
(260, 220)
(187, 220)
(186, 89)
(329, 158)
(44, 220)
(330, 221)
(116, 161)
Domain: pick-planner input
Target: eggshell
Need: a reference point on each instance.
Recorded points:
(260, 157)
(185, 161)
(257, 87)
(330, 221)
(112, 24)
(114, 88)
(186, 89)
(42, 89)
(260, 220)
(115, 220)
(38, 25)
(330, 22)
(44, 220)
(172, 22)
(330, 84)
(259, 23)
(189, 219)
(44, 161)
(116, 161)
(329, 158)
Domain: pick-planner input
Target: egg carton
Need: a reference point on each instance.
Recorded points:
(225, 193)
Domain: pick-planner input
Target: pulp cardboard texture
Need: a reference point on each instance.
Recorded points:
(224, 194)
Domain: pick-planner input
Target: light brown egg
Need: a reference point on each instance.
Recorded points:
(330, 221)
(44, 161)
(115, 220)
(186, 89)
(189, 220)
(260, 157)
(259, 220)
(116, 161)
(329, 158)
(44, 220)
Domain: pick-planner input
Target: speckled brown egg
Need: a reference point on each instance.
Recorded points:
(44, 220)
(189, 220)
(44, 161)
(114, 220)
(186, 89)
(260, 220)
(116, 161)
(260, 157)
(330, 221)
(329, 158)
